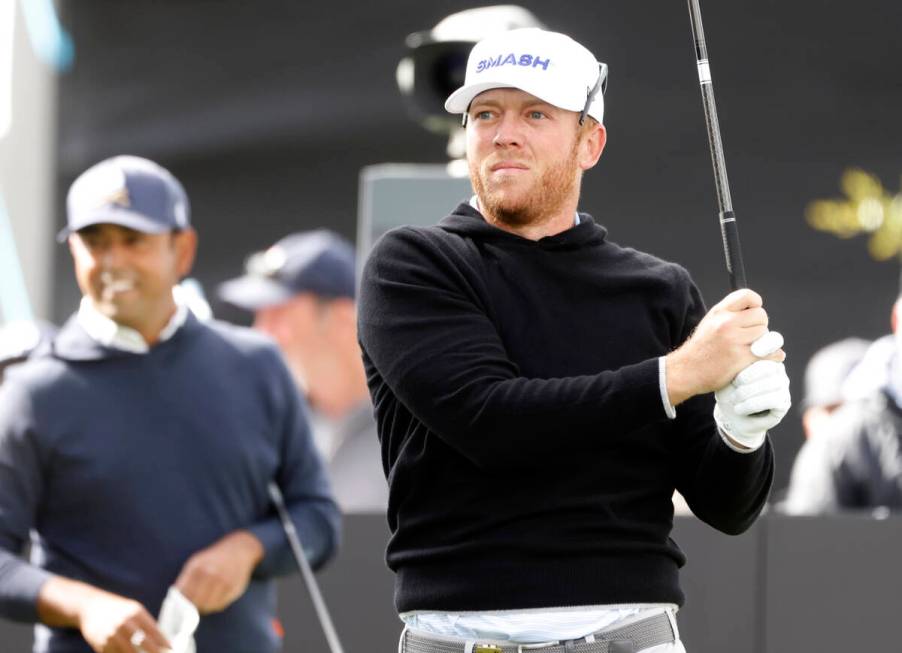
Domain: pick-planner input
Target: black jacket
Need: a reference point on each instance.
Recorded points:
(530, 459)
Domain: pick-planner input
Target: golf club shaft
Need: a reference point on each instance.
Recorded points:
(729, 231)
(728, 228)
(297, 550)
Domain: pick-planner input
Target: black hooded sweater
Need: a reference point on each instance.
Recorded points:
(516, 386)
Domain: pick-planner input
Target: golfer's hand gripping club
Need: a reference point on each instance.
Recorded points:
(719, 347)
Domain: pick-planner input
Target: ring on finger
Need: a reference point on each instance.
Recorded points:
(137, 638)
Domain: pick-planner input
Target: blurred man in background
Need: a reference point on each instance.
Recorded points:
(825, 382)
(138, 450)
(825, 378)
(301, 291)
(854, 461)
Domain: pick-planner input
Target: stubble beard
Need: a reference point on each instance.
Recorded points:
(538, 204)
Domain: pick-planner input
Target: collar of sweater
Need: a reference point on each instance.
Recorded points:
(468, 222)
(73, 343)
(112, 334)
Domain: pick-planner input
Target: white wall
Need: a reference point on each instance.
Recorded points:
(27, 168)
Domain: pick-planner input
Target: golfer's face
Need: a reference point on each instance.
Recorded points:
(515, 141)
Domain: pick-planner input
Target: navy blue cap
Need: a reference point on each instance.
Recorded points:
(318, 262)
(128, 191)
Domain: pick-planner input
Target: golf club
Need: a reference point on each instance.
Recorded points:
(294, 540)
(728, 228)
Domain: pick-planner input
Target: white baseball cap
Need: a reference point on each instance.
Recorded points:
(549, 65)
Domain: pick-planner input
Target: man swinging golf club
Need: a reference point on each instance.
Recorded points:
(541, 391)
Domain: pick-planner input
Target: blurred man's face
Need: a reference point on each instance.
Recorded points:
(817, 419)
(896, 323)
(128, 275)
(317, 336)
(300, 327)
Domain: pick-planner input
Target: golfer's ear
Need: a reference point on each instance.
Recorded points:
(593, 138)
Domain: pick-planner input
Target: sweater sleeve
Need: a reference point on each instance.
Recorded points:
(21, 480)
(302, 479)
(724, 488)
(424, 330)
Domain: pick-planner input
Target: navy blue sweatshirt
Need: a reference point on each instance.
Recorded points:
(530, 459)
(124, 465)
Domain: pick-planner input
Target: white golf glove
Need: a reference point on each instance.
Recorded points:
(757, 399)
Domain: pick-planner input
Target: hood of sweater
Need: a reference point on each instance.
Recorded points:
(470, 223)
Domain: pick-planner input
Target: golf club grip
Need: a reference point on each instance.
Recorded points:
(732, 250)
(733, 253)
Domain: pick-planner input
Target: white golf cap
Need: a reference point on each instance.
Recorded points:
(549, 65)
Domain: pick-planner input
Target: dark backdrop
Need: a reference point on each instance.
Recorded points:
(268, 110)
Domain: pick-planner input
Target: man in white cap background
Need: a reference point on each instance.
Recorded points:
(542, 391)
(825, 393)
(302, 293)
(854, 462)
(138, 449)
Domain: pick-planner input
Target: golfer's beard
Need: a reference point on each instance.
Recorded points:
(538, 204)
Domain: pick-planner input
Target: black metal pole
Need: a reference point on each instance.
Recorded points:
(728, 228)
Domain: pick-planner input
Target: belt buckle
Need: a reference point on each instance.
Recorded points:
(486, 648)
